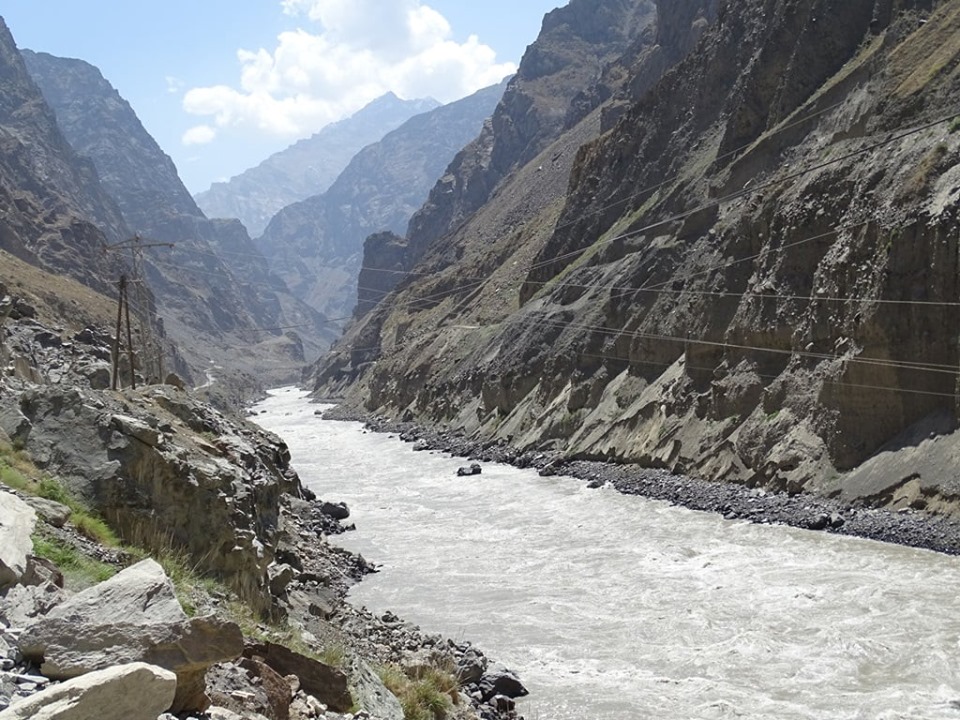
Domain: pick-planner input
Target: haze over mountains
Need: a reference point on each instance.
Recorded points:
(308, 167)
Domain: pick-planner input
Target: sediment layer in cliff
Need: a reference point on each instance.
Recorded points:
(748, 276)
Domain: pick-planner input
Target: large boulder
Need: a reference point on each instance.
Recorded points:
(135, 691)
(17, 521)
(134, 616)
(326, 683)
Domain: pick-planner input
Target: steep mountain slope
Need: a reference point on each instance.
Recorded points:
(752, 277)
(316, 245)
(575, 43)
(214, 308)
(49, 198)
(308, 167)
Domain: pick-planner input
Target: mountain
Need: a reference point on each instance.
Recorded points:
(316, 245)
(747, 272)
(213, 289)
(53, 211)
(308, 167)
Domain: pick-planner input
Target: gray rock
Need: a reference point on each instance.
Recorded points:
(54, 513)
(23, 604)
(280, 575)
(371, 694)
(501, 682)
(135, 691)
(132, 617)
(17, 521)
(471, 666)
(338, 511)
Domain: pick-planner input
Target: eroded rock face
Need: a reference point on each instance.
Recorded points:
(164, 470)
(132, 617)
(133, 691)
(748, 279)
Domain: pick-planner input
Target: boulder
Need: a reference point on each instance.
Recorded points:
(338, 511)
(54, 513)
(471, 666)
(134, 691)
(473, 469)
(17, 521)
(371, 694)
(501, 682)
(325, 682)
(22, 604)
(132, 617)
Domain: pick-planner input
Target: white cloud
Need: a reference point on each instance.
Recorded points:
(362, 49)
(174, 85)
(199, 135)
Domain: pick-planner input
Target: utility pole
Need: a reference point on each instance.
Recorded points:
(150, 349)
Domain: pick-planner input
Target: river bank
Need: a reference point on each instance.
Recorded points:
(906, 527)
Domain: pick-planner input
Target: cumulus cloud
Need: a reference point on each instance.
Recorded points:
(359, 50)
(199, 135)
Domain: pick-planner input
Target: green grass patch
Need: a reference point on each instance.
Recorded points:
(430, 695)
(18, 472)
(79, 570)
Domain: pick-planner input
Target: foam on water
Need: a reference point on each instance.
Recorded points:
(612, 606)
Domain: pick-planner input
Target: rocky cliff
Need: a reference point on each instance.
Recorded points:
(316, 245)
(749, 276)
(308, 167)
(213, 288)
(54, 210)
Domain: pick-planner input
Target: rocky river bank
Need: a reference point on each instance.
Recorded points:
(903, 526)
(160, 558)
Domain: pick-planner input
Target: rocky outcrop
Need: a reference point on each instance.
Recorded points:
(134, 691)
(747, 280)
(133, 617)
(307, 168)
(141, 459)
(316, 245)
(17, 521)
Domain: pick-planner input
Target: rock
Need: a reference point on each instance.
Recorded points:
(338, 511)
(501, 682)
(17, 521)
(326, 683)
(53, 512)
(174, 380)
(276, 687)
(132, 617)
(473, 469)
(41, 571)
(471, 666)
(371, 694)
(280, 575)
(421, 446)
(134, 691)
(23, 604)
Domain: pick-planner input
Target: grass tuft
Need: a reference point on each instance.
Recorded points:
(78, 569)
(430, 695)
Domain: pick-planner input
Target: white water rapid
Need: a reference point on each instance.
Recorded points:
(616, 607)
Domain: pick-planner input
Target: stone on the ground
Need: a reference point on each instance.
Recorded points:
(371, 694)
(23, 604)
(325, 682)
(134, 691)
(17, 521)
(501, 682)
(132, 617)
(467, 471)
(338, 511)
(54, 513)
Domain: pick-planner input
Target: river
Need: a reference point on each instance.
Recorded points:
(617, 607)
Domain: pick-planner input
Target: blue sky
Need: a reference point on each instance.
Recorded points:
(221, 84)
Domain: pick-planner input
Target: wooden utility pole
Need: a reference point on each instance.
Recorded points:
(122, 285)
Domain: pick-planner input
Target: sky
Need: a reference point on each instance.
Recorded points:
(222, 84)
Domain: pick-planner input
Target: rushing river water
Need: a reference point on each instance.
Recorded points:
(616, 607)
